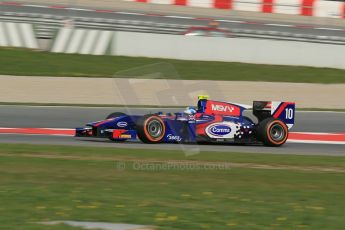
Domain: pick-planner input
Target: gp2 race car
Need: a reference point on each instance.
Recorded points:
(209, 122)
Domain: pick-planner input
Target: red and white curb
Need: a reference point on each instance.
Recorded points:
(39, 131)
(62, 7)
(294, 137)
(317, 138)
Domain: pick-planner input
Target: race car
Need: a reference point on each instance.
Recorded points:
(209, 122)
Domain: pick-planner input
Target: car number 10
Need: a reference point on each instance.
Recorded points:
(289, 113)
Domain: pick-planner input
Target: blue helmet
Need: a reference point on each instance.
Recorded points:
(190, 110)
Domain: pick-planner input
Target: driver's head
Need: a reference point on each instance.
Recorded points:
(190, 110)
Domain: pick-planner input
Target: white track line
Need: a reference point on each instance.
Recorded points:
(315, 142)
(279, 25)
(333, 29)
(317, 133)
(230, 21)
(79, 9)
(179, 17)
(129, 13)
(36, 6)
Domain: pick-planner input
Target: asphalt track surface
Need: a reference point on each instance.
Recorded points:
(192, 20)
(71, 117)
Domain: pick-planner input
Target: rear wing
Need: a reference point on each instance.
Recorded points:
(284, 111)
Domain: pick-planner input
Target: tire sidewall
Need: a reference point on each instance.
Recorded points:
(142, 129)
(268, 132)
(264, 134)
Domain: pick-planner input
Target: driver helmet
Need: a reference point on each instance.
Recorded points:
(190, 110)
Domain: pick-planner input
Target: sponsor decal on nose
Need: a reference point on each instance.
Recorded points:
(122, 124)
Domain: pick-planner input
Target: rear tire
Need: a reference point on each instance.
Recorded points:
(151, 129)
(272, 132)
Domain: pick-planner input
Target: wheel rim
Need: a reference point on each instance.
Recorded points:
(277, 132)
(155, 128)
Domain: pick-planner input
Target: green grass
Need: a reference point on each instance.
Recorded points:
(42, 183)
(26, 62)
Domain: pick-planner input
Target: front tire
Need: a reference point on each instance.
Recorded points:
(151, 129)
(272, 132)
